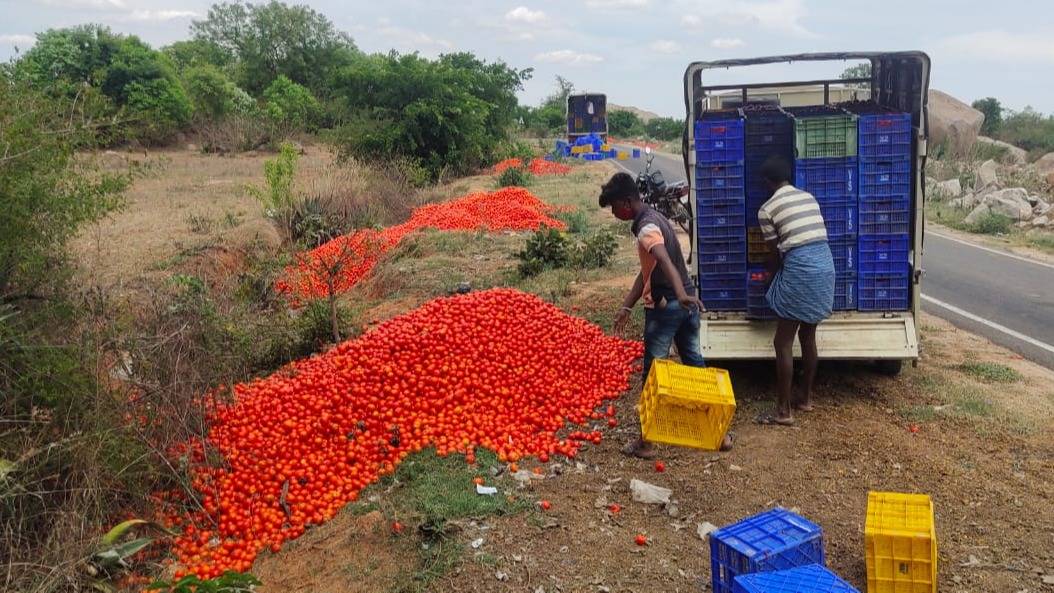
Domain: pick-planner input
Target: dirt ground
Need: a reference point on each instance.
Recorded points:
(982, 447)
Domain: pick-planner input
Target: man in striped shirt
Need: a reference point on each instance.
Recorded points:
(802, 289)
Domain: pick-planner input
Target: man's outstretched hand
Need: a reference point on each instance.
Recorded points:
(621, 318)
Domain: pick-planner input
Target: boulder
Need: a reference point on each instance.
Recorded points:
(951, 188)
(1045, 167)
(953, 123)
(977, 214)
(1014, 155)
(1012, 203)
(1041, 208)
(1041, 221)
(987, 176)
(968, 201)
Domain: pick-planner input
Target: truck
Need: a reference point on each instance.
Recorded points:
(586, 114)
(898, 81)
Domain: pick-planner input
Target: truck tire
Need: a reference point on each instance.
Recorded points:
(890, 368)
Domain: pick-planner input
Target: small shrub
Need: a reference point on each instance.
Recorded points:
(199, 224)
(597, 250)
(234, 133)
(290, 105)
(514, 177)
(992, 224)
(576, 220)
(991, 371)
(545, 250)
(229, 582)
(514, 149)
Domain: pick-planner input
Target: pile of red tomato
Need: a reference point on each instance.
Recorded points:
(499, 369)
(507, 164)
(544, 167)
(344, 261)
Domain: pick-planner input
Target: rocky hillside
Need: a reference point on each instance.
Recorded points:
(645, 116)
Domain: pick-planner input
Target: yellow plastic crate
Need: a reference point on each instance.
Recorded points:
(605, 147)
(581, 149)
(622, 155)
(686, 406)
(901, 543)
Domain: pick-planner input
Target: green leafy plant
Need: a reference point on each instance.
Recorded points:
(514, 177)
(546, 249)
(597, 250)
(278, 197)
(228, 582)
(992, 224)
(291, 105)
(991, 371)
(576, 220)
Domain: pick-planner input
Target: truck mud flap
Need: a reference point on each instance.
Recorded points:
(839, 338)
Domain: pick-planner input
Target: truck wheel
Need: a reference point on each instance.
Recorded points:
(890, 368)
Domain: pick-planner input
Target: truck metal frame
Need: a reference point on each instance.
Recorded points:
(899, 80)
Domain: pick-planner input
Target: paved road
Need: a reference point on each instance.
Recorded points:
(1004, 297)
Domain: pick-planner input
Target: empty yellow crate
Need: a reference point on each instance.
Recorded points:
(605, 147)
(622, 155)
(901, 543)
(581, 149)
(686, 406)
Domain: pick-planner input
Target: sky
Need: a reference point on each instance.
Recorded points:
(636, 51)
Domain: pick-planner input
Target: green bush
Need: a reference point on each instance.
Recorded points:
(291, 105)
(514, 177)
(597, 250)
(1030, 130)
(546, 249)
(513, 149)
(993, 115)
(625, 124)
(576, 220)
(992, 224)
(157, 109)
(213, 95)
(664, 128)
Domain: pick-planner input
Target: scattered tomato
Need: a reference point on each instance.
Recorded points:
(612, 422)
(660, 467)
(498, 369)
(611, 410)
(546, 505)
(614, 508)
(514, 468)
(641, 540)
(397, 527)
(478, 481)
(914, 428)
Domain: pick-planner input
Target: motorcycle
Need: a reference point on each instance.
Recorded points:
(670, 199)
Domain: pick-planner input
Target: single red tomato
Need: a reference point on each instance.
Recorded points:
(614, 508)
(641, 540)
(397, 527)
(546, 505)
(660, 467)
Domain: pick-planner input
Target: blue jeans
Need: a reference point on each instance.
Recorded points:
(672, 324)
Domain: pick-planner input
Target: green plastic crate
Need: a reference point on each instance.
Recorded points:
(830, 136)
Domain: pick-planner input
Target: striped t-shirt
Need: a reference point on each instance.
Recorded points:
(792, 217)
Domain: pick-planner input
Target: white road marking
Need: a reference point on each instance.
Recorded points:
(990, 250)
(1000, 328)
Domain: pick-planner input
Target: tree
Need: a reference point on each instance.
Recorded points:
(63, 60)
(46, 194)
(624, 123)
(268, 40)
(197, 52)
(213, 95)
(447, 115)
(664, 128)
(862, 70)
(291, 105)
(993, 115)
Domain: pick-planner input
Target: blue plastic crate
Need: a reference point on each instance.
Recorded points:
(720, 219)
(884, 217)
(773, 540)
(811, 578)
(845, 290)
(833, 178)
(884, 292)
(885, 136)
(719, 175)
(719, 141)
(844, 252)
(758, 279)
(768, 128)
(884, 253)
(636, 153)
(839, 216)
(885, 179)
(723, 292)
(723, 255)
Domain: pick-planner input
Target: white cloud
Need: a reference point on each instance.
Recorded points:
(407, 39)
(784, 16)
(157, 16)
(522, 14)
(1000, 46)
(617, 3)
(22, 41)
(665, 46)
(727, 43)
(569, 57)
(101, 4)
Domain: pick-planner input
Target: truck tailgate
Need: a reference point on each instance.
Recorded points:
(842, 337)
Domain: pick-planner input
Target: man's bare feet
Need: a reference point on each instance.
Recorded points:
(639, 448)
(769, 419)
(728, 442)
(804, 407)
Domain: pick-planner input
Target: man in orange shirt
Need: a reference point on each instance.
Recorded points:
(671, 307)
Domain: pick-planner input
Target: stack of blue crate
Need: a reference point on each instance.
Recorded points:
(775, 540)
(885, 208)
(827, 167)
(720, 216)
